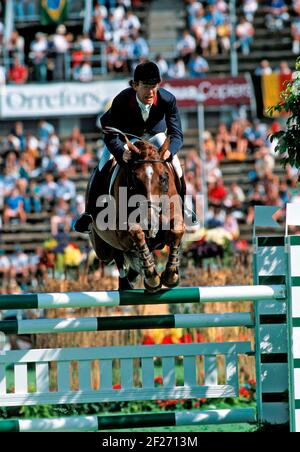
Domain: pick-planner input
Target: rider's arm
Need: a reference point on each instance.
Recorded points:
(174, 129)
(112, 140)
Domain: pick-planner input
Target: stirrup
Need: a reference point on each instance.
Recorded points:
(83, 223)
(192, 217)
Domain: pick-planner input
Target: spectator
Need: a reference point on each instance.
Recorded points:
(2, 75)
(14, 208)
(249, 9)
(223, 35)
(223, 143)
(217, 192)
(65, 188)
(15, 46)
(162, 64)
(60, 47)
(44, 130)
(244, 33)
(20, 265)
(284, 68)
(63, 160)
(140, 46)
(84, 72)
(186, 46)
(48, 191)
(38, 55)
(295, 32)
(18, 73)
(264, 162)
(264, 68)
(87, 46)
(177, 69)
(5, 266)
(277, 14)
(61, 216)
(197, 66)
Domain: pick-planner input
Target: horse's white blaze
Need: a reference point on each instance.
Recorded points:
(149, 174)
(154, 221)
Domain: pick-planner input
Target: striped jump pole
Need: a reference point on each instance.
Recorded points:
(98, 423)
(71, 325)
(140, 297)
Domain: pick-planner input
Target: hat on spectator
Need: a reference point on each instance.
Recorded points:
(147, 73)
(61, 29)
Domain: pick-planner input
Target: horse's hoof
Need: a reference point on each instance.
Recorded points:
(124, 284)
(170, 280)
(152, 289)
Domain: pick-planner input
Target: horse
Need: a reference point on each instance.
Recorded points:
(150, 179)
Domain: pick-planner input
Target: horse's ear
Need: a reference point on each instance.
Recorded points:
(132, 147)
(164, 148)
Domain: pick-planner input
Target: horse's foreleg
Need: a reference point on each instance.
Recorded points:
(171, 277)
(152, 279)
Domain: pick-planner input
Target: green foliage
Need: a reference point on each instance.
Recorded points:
(288, 141)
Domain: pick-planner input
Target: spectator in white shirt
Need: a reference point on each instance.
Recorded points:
(60, 47)
(83, 73)
(186, 45)
(162, 64)
(177, 69)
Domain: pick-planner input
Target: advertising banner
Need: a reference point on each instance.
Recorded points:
(57, 99)
(68, 99)
(211, 91)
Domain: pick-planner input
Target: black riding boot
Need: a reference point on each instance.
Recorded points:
(85, 220)
(190, 215)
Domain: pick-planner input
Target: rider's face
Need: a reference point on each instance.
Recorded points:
(146, 93)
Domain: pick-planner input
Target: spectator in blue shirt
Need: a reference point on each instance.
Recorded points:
(14, 207)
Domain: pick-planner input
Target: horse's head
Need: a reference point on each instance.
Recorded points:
(150, 178)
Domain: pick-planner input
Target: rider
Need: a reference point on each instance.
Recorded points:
(146, 111)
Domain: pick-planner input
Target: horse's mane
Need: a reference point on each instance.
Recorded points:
(147, 151)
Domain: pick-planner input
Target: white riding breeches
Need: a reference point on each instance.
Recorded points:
(157, 140)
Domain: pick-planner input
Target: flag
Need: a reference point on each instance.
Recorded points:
(272, 85)
(53, 11)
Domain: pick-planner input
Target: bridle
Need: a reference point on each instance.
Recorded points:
(131, 181)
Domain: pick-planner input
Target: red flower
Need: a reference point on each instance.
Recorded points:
(148, 340)
(117, 386)
(200, 337)
(167, 340)
(252, 382)
(186, 339)
(244, 392)
(158, 380)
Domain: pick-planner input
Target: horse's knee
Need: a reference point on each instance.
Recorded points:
(137, 234)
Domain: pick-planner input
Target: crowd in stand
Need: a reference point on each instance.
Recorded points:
(230, 205)
(116, 33)
(35, 177)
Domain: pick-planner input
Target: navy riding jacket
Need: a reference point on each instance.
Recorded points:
(125, 114)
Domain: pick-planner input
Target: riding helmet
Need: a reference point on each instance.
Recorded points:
(148, 73)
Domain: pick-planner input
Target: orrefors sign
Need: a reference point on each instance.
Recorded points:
(59, 99)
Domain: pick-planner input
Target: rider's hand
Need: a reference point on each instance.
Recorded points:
(166, 155)
(127, 155)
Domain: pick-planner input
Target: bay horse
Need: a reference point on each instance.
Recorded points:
(150, 184)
